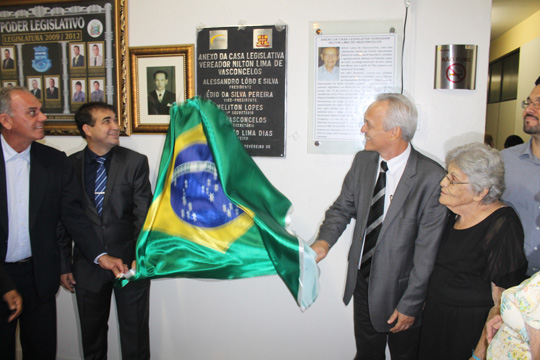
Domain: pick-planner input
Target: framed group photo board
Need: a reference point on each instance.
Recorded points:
(66, 53)
(160, 77)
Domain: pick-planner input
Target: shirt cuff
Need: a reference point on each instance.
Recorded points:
(97, 258)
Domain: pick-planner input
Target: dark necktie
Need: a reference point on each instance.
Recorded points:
(101, 183)
(160, 97)
(95, 61)
(375, 219)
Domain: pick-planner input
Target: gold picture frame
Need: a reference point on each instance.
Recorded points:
(160, 76)
(57, 27)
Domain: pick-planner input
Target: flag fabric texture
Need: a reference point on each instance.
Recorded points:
(215, 215)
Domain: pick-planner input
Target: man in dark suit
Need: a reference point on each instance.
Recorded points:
(78, 58)
(160, 100)
(52, 91)
(388, 274)
(126, 200)
(8, 62)
(10, 295)
(37, 191)
(36, 91)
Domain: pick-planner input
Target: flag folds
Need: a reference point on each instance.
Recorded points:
(215, 215)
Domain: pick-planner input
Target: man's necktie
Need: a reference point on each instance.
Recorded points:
(95, 61)
(101, 183)
(159, 97)
(375, 219)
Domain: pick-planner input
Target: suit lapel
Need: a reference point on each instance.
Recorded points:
(38, 182)
(116, 163)
(3, 204)
(406, 182)
(366, 181)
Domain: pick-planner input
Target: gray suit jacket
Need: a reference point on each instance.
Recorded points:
(408, 241)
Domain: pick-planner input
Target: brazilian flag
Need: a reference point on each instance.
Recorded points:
(215, 215)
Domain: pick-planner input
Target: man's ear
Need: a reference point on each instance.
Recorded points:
(395, 133)
(6, 121)
(86, 130)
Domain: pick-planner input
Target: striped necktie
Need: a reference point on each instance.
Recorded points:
(375, 219)
(101, 183)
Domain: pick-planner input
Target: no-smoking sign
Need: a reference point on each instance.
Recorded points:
(456, 73)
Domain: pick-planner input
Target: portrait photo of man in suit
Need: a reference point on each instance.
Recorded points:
(35, 90)
(117, 195)
(96, 59)
(97, 93)
(78, 94)
(52, 90)
(78, 58)
(160, 99)
(8, 63)
(392, 191)
(38, 190)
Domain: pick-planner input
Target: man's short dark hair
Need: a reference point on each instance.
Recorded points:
(78, 83)
(537, 81)
(96, 82)
(77, 46)
(161, 72)
(85, 114)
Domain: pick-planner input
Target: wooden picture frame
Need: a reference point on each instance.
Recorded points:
(52, 39)
(164, 72)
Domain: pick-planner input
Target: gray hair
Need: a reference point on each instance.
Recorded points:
(402, 113)
(5, 98)
(483, 165)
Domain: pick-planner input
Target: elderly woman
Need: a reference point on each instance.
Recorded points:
(481, 254)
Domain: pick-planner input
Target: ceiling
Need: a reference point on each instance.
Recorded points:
(505, 14)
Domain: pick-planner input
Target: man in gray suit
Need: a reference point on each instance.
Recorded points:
(388, 274)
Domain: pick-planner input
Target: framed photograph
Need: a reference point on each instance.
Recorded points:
(160, 76)
(59, 49)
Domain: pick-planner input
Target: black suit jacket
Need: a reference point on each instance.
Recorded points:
(160, 108)
(8, 63)
(54, 196)
(5, 282)
(127, 198)
(409, 239)
(53, 95)
(79, 62)
(36, 93)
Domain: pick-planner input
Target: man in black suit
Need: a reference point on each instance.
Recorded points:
(10, 295)
(78, 58)
(388, 274)
(38, 190)
(126, 200)
(35, 90)
(160, 100)
(52, 91)
(8, 62)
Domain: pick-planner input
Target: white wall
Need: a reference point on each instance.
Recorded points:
(258, 318)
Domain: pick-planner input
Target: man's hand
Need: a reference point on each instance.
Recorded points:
(403, 321)
(67, 281)
(14, 302)
(321, 248)
(116, 265)
(492, 326)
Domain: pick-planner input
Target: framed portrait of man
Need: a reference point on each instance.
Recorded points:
(77, 55)
(96, 89)
(8, 58)
(95, 49)
(52, 92)
(162, 76)
(34, 85)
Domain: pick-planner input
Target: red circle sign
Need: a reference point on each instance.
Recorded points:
(456, 73)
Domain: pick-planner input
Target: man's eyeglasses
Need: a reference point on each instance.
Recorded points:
(525, 104)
